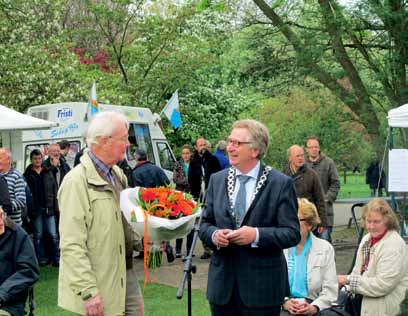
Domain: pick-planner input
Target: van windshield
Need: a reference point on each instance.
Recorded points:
(139, 138)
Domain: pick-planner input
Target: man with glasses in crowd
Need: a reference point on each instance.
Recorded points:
(251, 216)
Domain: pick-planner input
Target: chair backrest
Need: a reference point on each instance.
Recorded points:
(359, 230)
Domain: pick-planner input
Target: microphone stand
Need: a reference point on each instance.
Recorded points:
(189, 267)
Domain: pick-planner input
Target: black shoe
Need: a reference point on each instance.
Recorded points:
(44, 263)
(178, 255)
(55, 264)
(205, 255)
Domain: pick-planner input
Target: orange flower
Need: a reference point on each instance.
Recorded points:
(166, 203)
(185, 208)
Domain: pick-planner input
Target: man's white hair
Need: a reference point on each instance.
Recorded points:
(104, 124)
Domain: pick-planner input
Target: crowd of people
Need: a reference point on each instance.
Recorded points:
(267, 233)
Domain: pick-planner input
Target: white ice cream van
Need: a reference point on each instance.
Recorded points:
(73, 120)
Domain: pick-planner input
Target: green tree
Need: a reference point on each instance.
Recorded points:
(359, 53)
(209, 112)
(313, 113)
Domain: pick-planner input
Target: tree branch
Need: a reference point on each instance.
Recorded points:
(359, 104)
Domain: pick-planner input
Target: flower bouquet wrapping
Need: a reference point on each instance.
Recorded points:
(158, 214)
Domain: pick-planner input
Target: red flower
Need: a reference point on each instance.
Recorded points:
(148, 196)
(167, 203)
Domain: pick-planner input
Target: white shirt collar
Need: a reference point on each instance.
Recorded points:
(253, 173)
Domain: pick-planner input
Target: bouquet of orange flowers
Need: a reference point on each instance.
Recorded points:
(166, 203)
(158, 214)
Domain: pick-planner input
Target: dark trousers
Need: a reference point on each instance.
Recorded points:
(179, 243)
(235, 307)
(380, 192)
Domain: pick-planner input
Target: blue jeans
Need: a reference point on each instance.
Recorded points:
(45, 224)
(326, 235)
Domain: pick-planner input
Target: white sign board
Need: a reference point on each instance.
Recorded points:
(398, 170)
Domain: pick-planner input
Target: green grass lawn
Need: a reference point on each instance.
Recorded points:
(355, 186)
(160, 300)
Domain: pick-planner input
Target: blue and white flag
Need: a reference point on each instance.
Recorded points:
(172, 110)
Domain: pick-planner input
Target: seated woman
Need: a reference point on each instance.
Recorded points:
(311, 268)
(380, 273)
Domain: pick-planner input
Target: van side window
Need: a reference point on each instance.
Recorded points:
(166, 156)
(74, 147)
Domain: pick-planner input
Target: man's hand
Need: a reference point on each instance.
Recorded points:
(292, 306)
(220, 238)
(321, 229)
(307, 309)
(94, 306)
(243, 236)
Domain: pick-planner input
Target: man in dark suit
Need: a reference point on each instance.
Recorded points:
(251, 216)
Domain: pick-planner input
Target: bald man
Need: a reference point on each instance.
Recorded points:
(307, 182)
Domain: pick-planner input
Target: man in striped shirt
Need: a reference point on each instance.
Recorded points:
(16, 185)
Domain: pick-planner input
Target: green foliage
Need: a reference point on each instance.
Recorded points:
(292, 118)
(358, 52)
(208, 50)
(207, 112)
(258, 59)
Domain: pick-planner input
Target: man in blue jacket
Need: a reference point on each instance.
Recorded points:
(18, 267)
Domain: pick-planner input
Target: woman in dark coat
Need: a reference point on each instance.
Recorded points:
(180, 178)
(373, 178)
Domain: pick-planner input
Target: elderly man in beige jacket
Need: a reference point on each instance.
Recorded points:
(92, 279)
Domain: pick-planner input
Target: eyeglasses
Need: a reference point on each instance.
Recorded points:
(236, 143)
(3, 215)
(122, 139)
